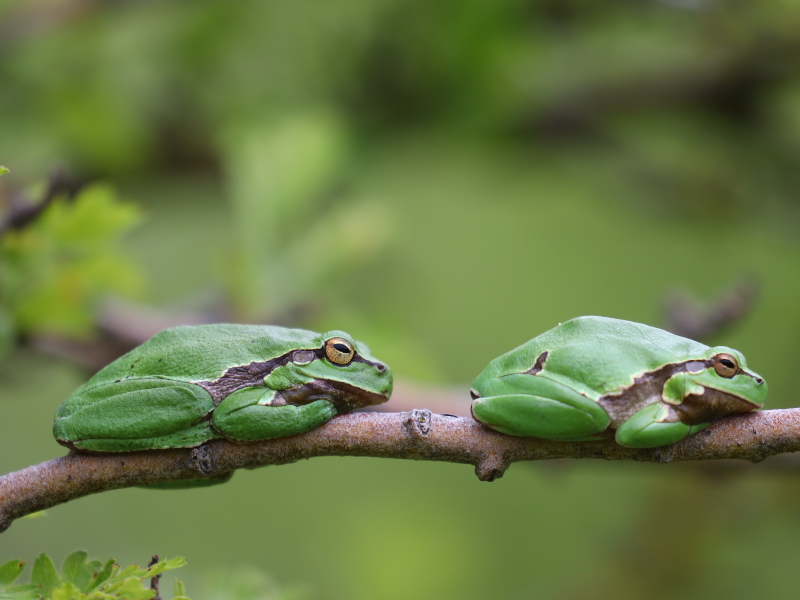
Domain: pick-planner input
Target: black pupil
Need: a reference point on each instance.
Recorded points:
(727, 363)
(342, 348)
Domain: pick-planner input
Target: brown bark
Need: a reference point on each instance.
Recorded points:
(416, 435)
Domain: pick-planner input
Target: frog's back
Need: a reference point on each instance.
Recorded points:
(204, 352)
(598, 355)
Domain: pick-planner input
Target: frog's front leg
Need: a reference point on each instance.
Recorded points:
(529, 405)
(248, 415)
(654, 425)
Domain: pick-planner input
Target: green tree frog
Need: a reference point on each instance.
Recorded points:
(191, 384)
(593, 376)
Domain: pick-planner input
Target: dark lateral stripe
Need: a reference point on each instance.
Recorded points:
(709, 363)
(361, 359)
(741, 371)
(242, 376)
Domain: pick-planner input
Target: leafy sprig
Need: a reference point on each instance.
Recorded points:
(54, 270)
(83, 579)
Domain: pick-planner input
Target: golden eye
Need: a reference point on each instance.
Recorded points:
(339, 351)
(725, 365)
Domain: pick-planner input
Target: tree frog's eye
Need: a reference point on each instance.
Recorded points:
(725, 365)
(339, 351)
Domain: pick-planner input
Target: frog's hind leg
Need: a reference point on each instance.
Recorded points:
(534, 406)
(137, 414)
(654, 425)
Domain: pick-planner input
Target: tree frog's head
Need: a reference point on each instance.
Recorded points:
(725, 369)
(719, 384)
(344, 369)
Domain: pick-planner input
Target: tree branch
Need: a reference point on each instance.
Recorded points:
(415, 435)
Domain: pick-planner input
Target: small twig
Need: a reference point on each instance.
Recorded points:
(155, 579)
(688, 317)
(25, 213)
(415, 435)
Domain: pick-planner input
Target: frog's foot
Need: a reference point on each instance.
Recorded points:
(539, 407)
(250, 415)
(654, 425)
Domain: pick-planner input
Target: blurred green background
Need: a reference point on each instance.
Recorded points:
(444, 180)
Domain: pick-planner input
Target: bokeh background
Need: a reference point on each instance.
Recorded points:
(444, 180)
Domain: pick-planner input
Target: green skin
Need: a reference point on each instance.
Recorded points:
(188, 385)
(592, 377)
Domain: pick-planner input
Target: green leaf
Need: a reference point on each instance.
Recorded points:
(147, 572)
(82, 579)
(3, 170)
(54, 270)
(67, 591)
(75, 569)
(178, 589)
(165, 565)
(8, 574)
(135, 589)
(131, 588)
(10, 571)
(21, 592)
(45, 575)
(108, 570)
(129, 571)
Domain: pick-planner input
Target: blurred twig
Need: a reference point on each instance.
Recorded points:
(23, 212)
(688, 317)
(415, 435)
(120, 326)
(726, 82)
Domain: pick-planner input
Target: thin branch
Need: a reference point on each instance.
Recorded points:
(415, 435)
(23, 213)
(687, 316)
(156, 579)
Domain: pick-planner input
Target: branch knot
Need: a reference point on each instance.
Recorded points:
(419, 422)
(202, 460)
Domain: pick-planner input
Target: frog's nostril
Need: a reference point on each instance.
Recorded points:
(759, 381)
(381, 367)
